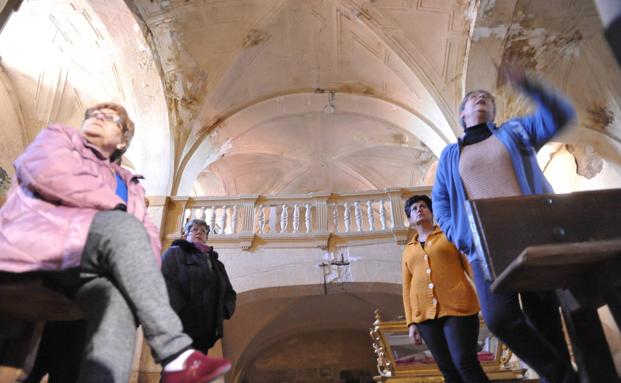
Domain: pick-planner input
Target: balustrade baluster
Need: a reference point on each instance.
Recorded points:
(382, 213)
(296, 217)
(185, 218)
(335, 217)
(261, 219)
(307, 217)
(284, 219)
(346, 218)
(212, 219)
(234, 220)
(370, 215)
(242, 219)
(357, 215)
(223, 220)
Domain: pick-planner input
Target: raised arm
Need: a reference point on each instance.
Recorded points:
(552, 111)
(51, 160)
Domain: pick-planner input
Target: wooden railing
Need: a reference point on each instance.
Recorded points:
(293, 220)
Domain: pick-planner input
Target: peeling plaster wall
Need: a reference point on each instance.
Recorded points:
(573, 168)
(561, 42)
(221, 58)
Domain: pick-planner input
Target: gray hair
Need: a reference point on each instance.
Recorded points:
(196, 222)
(463, 105)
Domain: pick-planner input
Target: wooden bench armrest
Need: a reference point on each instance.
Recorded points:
(25, 297)
(553, 266)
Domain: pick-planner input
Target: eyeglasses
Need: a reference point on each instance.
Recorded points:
(108, 117)
(197, 229)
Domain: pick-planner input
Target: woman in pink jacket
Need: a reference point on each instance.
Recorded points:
(93, 232)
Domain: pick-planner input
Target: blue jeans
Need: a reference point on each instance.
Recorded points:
(452, 341)
(535, 334)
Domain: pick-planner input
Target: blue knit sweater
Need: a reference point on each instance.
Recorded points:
(522, 137)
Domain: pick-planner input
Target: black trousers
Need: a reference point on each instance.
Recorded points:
(534, 334)
(452, 341)
(60, 352)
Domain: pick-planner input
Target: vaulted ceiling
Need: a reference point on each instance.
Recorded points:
(230, 96)
(256, 76)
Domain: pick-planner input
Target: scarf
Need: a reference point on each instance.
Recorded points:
(202, 247)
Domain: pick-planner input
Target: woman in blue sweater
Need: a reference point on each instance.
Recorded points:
(499, 161)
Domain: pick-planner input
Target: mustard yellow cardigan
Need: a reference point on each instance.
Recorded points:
(435, 280)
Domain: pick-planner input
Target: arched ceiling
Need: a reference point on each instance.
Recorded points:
(228, 96)
(289, 144)
(222, 58)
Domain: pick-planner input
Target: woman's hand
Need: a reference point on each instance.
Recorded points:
(414, 335)
(512, 73)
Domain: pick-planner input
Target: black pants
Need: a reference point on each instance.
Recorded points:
(202, 342)
(452, 341)
(60, 352)
(535, 334)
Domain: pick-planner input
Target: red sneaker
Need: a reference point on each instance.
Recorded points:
(199, 368)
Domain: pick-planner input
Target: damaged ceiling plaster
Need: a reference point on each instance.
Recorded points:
(247, 73)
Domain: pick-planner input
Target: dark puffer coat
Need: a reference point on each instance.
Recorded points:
(201, 295)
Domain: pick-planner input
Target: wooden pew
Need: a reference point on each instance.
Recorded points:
(571, 243)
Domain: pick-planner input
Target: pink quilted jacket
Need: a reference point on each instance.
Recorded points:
(62, 182)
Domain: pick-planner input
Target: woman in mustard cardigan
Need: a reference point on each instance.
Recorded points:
(439, 301)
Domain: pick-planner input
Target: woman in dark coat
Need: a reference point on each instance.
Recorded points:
(198, 286)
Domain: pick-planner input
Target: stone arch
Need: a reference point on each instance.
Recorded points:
(271, 315)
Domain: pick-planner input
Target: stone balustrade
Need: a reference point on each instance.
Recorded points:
(315, 219)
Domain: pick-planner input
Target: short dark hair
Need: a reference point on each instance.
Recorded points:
(127, 125)
(415, 198)
(463, 105)
(196, 222)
